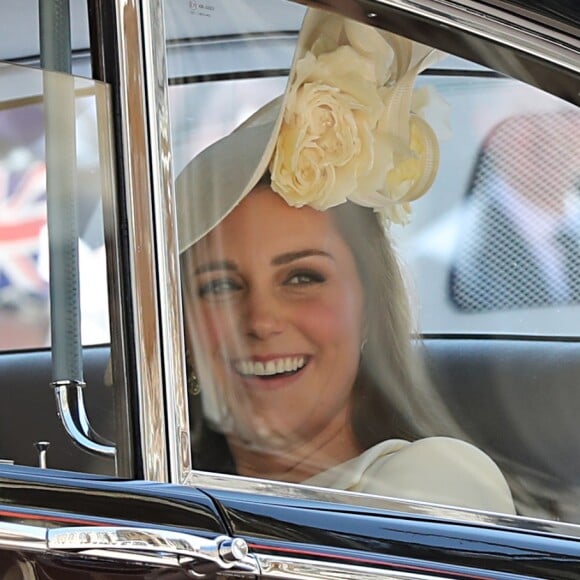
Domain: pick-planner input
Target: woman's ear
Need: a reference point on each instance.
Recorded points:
(192, 380)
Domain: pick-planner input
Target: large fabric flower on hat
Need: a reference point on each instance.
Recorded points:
(348, 130)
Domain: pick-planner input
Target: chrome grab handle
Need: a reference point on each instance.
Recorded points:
(71, 409)
(160, 547)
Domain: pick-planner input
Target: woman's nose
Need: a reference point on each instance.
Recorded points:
(263, 316)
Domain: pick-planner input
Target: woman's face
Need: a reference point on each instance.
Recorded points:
(277, 308)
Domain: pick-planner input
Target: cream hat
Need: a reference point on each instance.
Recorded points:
(349, 126)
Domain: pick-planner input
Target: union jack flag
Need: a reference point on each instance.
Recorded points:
(22, 216)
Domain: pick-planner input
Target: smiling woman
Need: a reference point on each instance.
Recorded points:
(296, 313)
(282, 324)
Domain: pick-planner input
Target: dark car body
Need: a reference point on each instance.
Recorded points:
(137, 507)
(307, 537)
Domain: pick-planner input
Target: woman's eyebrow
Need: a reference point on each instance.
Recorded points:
(214, 266)
(291, 256)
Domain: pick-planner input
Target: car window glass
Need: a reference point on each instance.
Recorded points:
(493, 249)
(248, 412)
(56, 157)
(24, 269)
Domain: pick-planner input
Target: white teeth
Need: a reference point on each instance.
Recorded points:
(270, 368)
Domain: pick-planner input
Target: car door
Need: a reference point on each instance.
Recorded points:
(57, 524)
(291, 531)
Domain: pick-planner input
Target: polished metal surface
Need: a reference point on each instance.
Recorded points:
(147, 546)
(72, 412)
(496, 25)
(167, 547)
(266, 488)
(166, 244)
(42, 448)
(233, 550)
(22, 537)
(146, 332)
(303, 569)
(116, 372)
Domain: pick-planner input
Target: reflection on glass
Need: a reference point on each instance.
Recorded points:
(23, 237)
(23, 290)
(520, 242)
(297, 316)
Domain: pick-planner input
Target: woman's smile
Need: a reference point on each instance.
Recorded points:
(273, 374)
(274, 367)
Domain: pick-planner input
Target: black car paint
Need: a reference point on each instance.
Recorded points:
(408, 543)
(311, 530)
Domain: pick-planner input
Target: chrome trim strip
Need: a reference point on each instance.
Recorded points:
(116, 373)
(303, 569)
(22, 537)
(166, 244)
(493, 24)
(263, 487)
(147, 546)
(138, 194)
(181, 548)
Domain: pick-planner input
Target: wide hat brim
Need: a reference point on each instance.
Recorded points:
(395, 174)
(219, 177)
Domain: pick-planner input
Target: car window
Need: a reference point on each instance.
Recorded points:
(56, 176)
(499, 141)
(24, 264)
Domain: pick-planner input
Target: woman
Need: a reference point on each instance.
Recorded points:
(295, 309)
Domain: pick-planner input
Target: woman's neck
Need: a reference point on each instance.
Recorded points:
(334, 445)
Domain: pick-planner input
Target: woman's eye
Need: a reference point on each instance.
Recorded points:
(305, 278)
(218, 287)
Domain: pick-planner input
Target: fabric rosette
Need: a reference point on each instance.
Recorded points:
(349, 129)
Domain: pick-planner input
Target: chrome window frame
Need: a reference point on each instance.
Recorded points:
(151, 308)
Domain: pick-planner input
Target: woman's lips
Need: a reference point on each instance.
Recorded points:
(271, 368)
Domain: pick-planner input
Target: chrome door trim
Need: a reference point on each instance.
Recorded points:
(493, 24)
(158, 547)
(22, 537)
(198, 554)
(305, 569)
(167, 246)
(134, 125)
(153, 248)
(278, 489)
